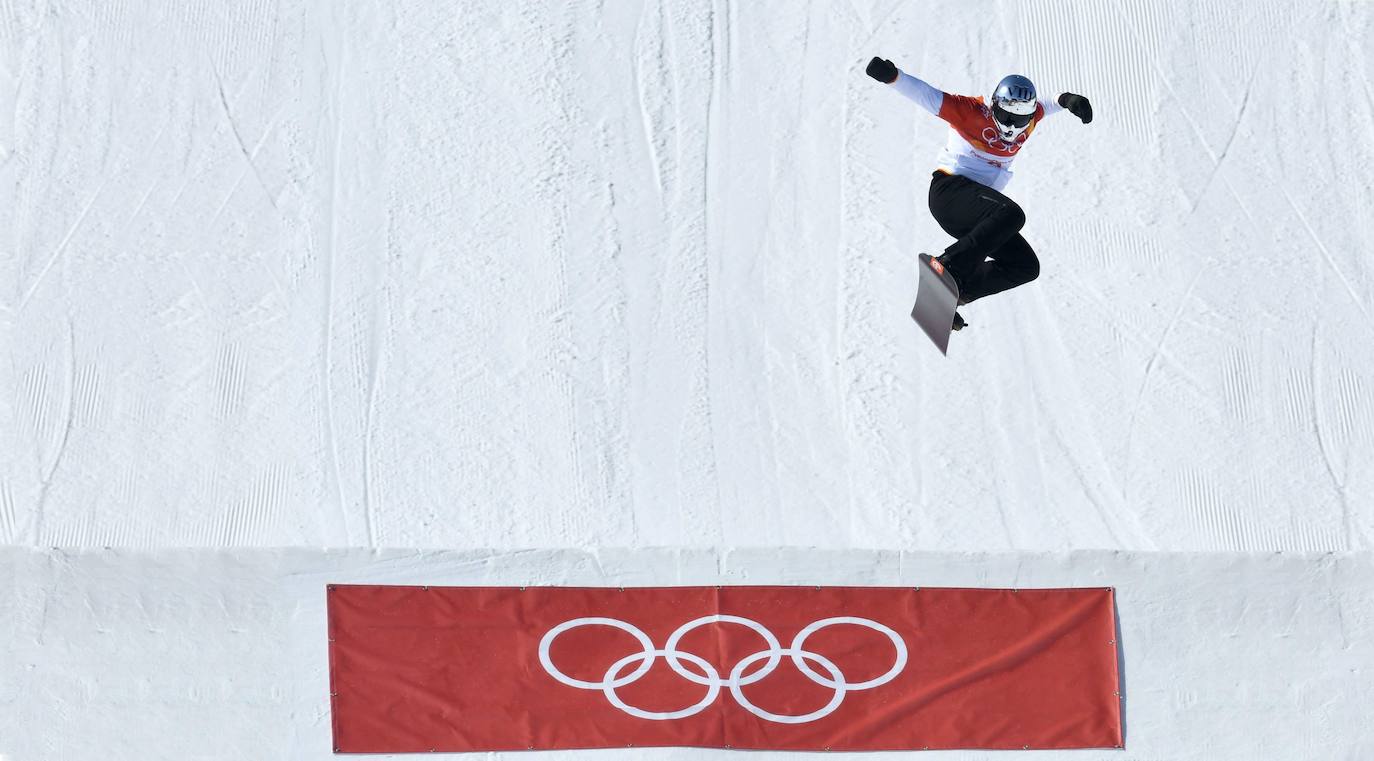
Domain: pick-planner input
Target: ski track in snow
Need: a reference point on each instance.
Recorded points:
(639, 275)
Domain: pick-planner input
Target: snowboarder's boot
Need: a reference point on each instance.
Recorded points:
(945, 264)
(958, 322)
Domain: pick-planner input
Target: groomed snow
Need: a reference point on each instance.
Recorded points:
(522, 277)
(417, 273)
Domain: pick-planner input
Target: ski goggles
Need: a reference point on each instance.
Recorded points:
(1008, 119)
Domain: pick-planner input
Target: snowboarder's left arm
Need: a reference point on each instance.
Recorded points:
(1074, 104)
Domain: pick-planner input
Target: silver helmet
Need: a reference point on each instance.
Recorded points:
(1013, 106)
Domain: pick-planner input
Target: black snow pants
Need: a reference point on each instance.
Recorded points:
(990, 255)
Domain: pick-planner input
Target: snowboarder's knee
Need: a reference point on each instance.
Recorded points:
(1032, 269)
(1014, 217)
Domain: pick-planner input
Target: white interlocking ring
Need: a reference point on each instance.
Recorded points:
(774, 649)
(799, 656)
(897, 665)
(711, 691)
(634, 631)
(710, 678)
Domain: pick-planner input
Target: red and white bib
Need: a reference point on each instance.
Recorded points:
(974, 149)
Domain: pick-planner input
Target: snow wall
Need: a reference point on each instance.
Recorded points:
(578, 275)
(219, 655)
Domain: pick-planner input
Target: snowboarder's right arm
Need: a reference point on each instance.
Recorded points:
(926, 96)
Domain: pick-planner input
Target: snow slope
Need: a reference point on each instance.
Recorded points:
(500, 276)
(549, 274)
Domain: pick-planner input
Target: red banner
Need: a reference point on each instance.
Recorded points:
(420, 669)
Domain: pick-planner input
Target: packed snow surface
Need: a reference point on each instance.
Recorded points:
(419, 273)
(512, 275)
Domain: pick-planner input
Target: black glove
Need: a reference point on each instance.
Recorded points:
(882, 70)
(1077, 105)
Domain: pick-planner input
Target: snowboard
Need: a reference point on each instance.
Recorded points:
(936, 299)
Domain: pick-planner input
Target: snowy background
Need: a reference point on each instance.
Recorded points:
(547, 275)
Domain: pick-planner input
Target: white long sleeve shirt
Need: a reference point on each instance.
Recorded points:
(975, 149)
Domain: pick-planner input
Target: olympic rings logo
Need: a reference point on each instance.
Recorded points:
(994, 140)
(706, 674)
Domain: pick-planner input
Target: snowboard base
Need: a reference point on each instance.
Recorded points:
(936, 299)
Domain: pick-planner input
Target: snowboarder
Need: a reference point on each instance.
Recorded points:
(989, 255)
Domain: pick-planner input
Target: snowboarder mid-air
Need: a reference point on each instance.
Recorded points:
(989, 255)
